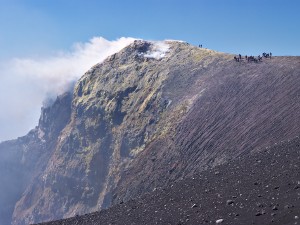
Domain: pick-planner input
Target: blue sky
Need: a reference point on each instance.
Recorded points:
(38, 27)
(46, 44)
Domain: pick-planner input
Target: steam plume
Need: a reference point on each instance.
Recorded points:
(26, 82)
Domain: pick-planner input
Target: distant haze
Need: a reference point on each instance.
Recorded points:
(27, 82)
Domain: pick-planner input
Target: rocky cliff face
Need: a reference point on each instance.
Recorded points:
(148, 115)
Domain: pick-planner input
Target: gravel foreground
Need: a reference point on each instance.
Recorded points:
(259, 188)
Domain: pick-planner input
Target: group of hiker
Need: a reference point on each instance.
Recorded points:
(252, 58)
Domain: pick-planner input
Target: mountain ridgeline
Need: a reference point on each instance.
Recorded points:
(143, 119)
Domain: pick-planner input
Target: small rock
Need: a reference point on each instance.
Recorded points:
(194, 206)
(296, 217)
(260, 205)
(273, 214)
(217, 173)
(259, 213)
(275, 208)
(229, 202)
(288, 206)
(219, 221)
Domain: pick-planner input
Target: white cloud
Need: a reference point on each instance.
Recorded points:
(26, 82)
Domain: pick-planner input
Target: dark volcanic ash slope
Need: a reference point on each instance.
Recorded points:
(145, 118)
(259, 188)
(242, 107)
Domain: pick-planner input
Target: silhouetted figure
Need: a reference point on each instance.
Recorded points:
(265, 55)
(240, 56)
(253, 59)
(259, 58)
(237, 58)
(270, 55)
(246, 57)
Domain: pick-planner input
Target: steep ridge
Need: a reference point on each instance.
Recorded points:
(162, 111)
(261, 187)
(22, 159)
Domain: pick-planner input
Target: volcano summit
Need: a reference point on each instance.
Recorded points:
(145, 118)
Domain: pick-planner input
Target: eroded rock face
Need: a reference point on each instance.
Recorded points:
(152, 114)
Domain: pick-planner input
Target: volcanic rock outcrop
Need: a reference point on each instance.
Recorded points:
(147, 116)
